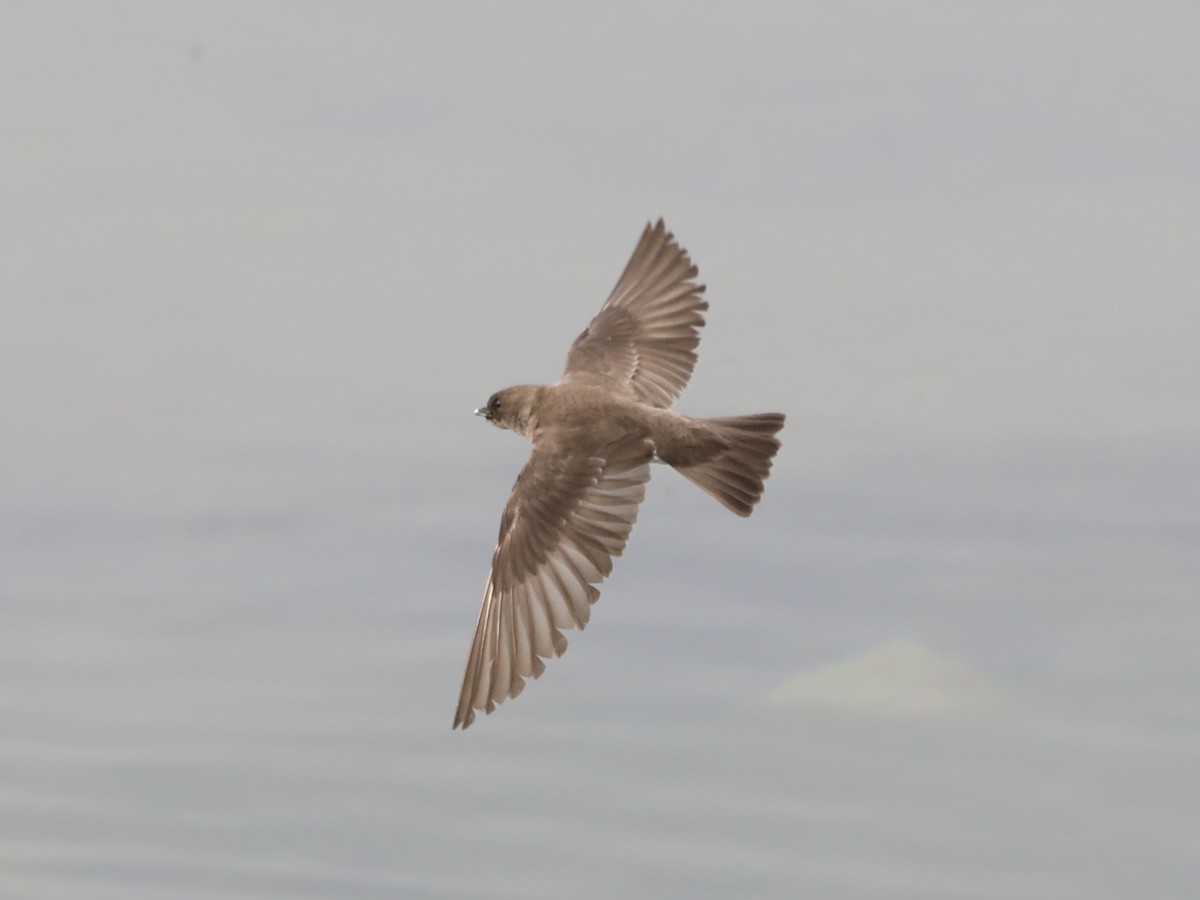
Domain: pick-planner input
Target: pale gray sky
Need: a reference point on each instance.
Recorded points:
(261, 260)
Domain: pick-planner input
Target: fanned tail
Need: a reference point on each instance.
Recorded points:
(735, 475)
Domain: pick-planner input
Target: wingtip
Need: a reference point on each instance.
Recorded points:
(658, 228)
(464, 715)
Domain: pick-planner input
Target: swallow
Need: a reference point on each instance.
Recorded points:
(594, 434)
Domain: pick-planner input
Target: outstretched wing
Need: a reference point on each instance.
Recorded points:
(565, 521)
(643, 341)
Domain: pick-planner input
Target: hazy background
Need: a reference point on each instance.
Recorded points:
(258, 263)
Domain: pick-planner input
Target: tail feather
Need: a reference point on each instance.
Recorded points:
(735, 475)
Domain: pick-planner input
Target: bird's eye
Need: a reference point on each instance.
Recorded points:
(494, 404)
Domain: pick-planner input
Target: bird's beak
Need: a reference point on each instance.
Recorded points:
(482, 411)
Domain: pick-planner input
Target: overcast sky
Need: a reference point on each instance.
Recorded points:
(261, 260)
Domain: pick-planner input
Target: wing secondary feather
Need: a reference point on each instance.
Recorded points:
(565, 521)
(643, 341)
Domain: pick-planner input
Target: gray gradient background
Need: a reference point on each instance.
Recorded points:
(261, 260)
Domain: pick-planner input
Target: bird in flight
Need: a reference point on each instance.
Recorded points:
(594, 434)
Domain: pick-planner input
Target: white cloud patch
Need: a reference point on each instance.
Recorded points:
(901, 677)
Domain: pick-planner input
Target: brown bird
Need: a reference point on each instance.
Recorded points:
(594, 434)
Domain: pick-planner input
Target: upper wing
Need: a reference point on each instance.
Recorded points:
(643, 341)
(565, 521)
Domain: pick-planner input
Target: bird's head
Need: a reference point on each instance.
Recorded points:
(511, 408)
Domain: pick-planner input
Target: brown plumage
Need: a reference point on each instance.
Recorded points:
(594, 435)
